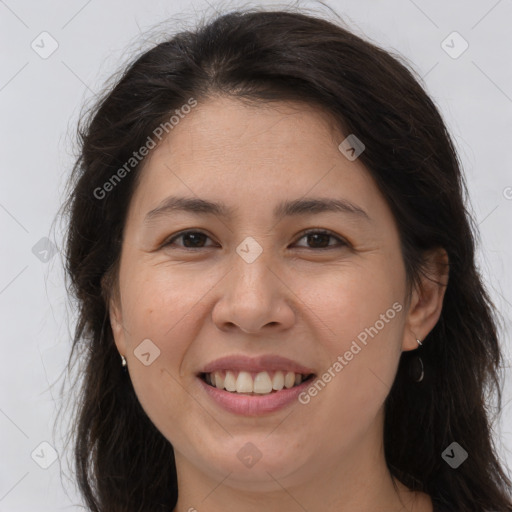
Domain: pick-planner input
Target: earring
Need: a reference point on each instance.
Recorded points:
(416, 368)
(123, 362)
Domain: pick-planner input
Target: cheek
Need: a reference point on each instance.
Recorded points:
(158, 302)
(353, 299)
(160, 306)
(364, 312)
(164, 307)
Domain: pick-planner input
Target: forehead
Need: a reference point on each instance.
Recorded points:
(233, 130)
(245, 153)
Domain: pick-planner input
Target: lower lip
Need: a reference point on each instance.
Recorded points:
(254, 405)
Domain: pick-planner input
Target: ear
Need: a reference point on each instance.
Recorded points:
(112, 297)
(426, 298)
(116, 322)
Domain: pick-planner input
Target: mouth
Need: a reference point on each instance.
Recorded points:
(252, 383)
(254, 386)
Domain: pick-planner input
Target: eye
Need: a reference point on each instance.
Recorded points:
(319, 237)
(191, 239)
(195, 239)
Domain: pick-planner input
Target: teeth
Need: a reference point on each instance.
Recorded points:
(289, 380)
(219, 380)
(244, 383)
(278, 381)
(262, 383)
(229, 382)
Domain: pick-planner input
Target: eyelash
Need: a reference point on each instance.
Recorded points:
(342, 242)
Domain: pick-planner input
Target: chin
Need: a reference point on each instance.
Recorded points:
(253, 468)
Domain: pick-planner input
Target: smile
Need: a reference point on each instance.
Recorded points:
(252, 386)
(253, 383)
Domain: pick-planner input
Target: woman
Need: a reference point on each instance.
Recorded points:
(276, 280)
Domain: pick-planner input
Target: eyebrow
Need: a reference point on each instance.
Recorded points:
(297, 207)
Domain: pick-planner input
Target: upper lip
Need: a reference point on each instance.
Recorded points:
(256, 364)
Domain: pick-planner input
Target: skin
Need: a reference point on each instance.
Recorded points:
(295, 300)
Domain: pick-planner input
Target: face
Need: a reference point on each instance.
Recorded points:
(198, 284)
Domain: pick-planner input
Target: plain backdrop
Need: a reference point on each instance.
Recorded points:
(468, 74)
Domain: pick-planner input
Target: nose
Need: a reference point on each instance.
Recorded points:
(254, 297)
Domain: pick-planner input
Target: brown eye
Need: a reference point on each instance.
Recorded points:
(191, 239)
(320, 240)
(316, 239)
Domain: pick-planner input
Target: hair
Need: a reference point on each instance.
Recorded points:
(123, 462)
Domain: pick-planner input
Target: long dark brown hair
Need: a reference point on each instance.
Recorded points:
(123, 463)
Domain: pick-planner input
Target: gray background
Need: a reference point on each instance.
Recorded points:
(40, 102)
